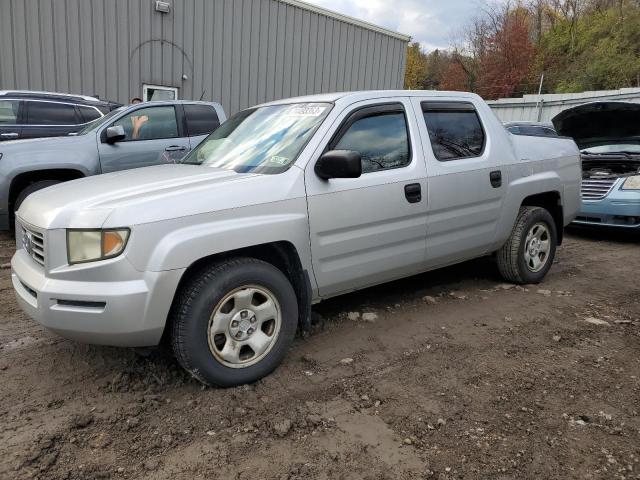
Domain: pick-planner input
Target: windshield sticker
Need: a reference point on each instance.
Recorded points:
(279, 160)
(306, 111)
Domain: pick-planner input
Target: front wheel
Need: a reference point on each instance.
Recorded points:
(34, 187)
(527, 255)
(233, 322)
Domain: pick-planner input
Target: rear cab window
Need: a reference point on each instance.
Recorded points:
(455, 130)
(201, 119)
(380, 135)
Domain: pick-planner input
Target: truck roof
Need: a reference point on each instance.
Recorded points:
(356, 96)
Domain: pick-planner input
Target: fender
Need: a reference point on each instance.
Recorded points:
(192, 238)
(517, 191)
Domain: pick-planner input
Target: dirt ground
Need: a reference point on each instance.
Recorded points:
(459, 376)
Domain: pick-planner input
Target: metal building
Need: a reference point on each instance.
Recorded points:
(237, 52)
(542, 108)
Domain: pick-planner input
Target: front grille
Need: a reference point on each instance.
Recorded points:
(596, 189)
(33, 244)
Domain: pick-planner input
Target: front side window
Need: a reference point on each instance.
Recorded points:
(9, 112)
(51, 113)
(454, 129)
(201, 119)
(98, 122)
(381, 138)
(261, 140)
(150, 123)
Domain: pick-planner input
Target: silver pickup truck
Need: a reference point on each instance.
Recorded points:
(284, 205)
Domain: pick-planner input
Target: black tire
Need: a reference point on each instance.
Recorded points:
(34, 187)
(511, 257)
(195, 303)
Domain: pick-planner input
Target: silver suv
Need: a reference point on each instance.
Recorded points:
(284, 205)
(135, 136)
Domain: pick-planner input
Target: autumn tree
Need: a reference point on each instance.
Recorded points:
(578, 45)
(455, 78)
(416, 67)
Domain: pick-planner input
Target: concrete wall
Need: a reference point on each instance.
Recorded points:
(238, 52)
(543, 108)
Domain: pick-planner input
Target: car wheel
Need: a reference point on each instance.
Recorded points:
(34, 187)
(528, 253)
(233, 322)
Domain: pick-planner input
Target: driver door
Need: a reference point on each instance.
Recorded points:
(370, 229)
(154, 136)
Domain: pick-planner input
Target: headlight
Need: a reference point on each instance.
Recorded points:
(91, 245)
(632, 183)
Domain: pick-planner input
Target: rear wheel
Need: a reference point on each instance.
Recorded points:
(233, 322)
(527, 255)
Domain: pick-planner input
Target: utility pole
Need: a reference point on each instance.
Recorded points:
(539, 102)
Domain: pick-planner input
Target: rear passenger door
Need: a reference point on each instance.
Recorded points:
(370, 229)
(201, 119)
(465, 181)
(10, 117)
(50, 119)
(154, 136)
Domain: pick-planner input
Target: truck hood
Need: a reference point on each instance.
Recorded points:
(41, 144)
(136, 196)
(600, 123)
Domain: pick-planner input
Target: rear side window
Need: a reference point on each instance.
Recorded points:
(89, 114)
(454, 129)
(201, 119)
(50, 113)
(379, 135)
(9, 112)
(150, 123)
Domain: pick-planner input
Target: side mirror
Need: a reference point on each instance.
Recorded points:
(115, 134)
(339, 164)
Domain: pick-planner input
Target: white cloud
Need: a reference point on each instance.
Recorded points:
(433, 23)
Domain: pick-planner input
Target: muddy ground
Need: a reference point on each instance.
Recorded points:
(459, 376)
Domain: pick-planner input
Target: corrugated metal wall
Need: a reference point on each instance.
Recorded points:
(238, 52)
(544, 107)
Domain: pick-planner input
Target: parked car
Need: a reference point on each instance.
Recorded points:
(608, 135)
(30, 114)
(138, 135)
(540, 129)
(284, 205)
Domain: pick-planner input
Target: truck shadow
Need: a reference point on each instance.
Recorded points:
(618, 235)
(475, 274)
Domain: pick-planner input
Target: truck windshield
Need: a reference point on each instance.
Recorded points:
(100, 121)
(261, 140)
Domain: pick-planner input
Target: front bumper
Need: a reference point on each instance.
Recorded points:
(130, 312)
(620, 209)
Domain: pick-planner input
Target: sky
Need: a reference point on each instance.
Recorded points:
(433, 23)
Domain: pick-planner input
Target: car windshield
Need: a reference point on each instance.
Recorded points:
(92, 126)
(630, 148)
(261, 140)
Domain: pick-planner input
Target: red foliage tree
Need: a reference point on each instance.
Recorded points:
(455, 78)
(507, 57)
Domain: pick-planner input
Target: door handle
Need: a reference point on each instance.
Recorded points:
(495, 178)
(175, 148)
(413, 192)
(9, 135)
